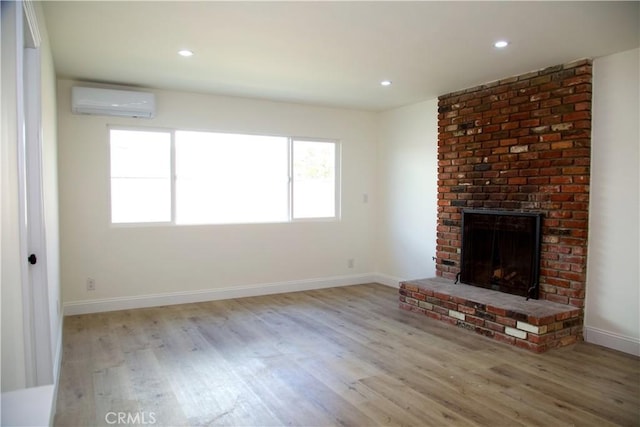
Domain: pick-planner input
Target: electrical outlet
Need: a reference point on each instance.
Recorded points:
(91, 284)
(350, 262)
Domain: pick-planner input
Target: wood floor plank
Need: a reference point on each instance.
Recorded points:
(112, 394)
(76, 388)
(575, 397)
(197, 367)
(281, 397)
(247, 354)
(340, 356)
(427, 409)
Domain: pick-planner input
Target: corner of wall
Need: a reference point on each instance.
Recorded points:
(407, 177)
(613, 272)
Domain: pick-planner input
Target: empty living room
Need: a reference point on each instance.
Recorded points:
(314, 213)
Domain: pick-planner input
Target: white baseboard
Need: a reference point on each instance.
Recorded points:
(155, 300)
(385, 279)
(57, 367)
(612, 340)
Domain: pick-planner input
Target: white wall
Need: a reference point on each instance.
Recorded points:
(613, 298)
(407, 183)
(148, 260)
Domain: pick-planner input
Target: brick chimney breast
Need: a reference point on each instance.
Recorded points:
(522, 143)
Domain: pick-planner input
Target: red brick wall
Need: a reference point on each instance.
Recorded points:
(521, 143)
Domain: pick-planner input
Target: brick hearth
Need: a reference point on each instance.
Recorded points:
(534, 325)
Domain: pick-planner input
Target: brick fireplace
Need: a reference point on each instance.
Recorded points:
(520, 144)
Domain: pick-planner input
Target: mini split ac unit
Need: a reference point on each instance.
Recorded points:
(109, 102)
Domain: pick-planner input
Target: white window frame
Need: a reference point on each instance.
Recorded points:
(290, 142)
(172, 177)
(337, 177)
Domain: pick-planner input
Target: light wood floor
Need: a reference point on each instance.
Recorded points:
(342, 356)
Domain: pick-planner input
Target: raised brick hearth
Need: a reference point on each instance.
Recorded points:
(522, 144)
(534, 325)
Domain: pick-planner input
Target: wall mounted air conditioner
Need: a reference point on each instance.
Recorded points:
(109, 102)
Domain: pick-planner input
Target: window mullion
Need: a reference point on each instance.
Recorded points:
(290, 183)
(174, 177)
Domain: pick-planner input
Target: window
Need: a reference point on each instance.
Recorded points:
(140, 176)
(226, 178)
(314, 179)
(220, 178)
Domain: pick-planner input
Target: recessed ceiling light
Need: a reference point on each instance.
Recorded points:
(185, 52)
(500, 44)
(386, 83)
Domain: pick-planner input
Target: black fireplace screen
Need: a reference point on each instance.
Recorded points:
(501, 251)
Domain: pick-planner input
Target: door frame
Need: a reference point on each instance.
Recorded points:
(38, 358)
(35, 212)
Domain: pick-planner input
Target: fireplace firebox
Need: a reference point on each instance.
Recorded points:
(501, 251)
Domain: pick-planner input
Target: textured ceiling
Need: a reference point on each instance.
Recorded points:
(329, 53)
